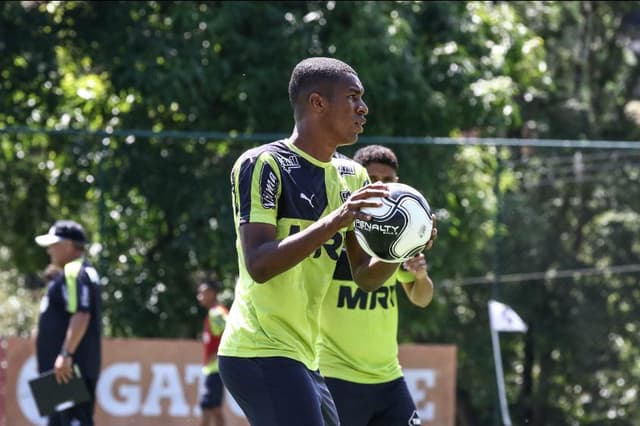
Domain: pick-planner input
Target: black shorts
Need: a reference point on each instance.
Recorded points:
(212, 396)
(379, 404)
(278, 391)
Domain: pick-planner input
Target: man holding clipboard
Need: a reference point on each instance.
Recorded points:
(69, 327)
(52, 397)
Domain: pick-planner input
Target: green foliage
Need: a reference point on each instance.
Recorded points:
(18, 304)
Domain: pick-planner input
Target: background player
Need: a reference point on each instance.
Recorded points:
(70, 323)
(213, 326)
(358, 345)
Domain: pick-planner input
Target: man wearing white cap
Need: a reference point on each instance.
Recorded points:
(69, 327)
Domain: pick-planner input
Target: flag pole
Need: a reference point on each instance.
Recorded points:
(502, 396)
(495, 341)
(502, 318)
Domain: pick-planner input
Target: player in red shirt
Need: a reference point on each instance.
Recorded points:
(214, 322)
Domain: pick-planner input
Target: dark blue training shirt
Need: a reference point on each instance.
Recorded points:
(75, 290)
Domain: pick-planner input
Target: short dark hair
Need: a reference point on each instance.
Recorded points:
(311, 73)
(212, 283)
(376, 154)
(208, 278)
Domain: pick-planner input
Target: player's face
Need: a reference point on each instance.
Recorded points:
(60, 253)
(348, 109)
(206, 296)
(379, 172)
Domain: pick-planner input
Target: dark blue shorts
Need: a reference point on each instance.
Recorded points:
(380, 404)
(212, 396)
(277, 391)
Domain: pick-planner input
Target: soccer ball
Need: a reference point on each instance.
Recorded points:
(399, 229)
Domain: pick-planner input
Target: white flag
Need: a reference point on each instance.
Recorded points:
(503, 318)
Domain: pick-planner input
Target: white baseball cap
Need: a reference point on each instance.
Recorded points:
(62, 230)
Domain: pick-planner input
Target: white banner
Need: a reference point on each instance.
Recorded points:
(150, 382)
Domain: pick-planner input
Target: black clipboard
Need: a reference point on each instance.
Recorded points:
(51, 396)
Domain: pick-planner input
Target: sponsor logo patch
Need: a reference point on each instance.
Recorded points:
(376, 227)
(308, 199)
(288, 163)
(346, 169)
(268, 187)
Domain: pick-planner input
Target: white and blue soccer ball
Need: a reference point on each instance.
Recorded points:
(399, 229)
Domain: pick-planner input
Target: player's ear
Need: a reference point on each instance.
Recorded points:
(396, 179)
(317, 102)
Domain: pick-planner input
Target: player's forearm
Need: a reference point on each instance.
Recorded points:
(78, 325)
(271, 258)
(421, 292)
(368, 272)
(370, 276)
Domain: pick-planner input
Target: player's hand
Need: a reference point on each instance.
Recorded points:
(63, 369)
(363, 197)
(434, 233)
(417, 264)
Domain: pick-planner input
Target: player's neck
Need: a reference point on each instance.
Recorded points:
(312, 143)
(71, 257)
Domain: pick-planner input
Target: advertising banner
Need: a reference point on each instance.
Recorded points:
(147, 382)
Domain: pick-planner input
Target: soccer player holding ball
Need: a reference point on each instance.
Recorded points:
(358, 346)
(295, 202)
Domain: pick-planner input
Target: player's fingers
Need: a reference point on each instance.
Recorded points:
(351, 211)
(376, 185)
(417, 263)
(359, 205)
(363, 216)
(370, 191)
(68, 374)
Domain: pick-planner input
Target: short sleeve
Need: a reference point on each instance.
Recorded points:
(84, 292)
(79, 282)
(362, 179)
(217, 321)
(404, 276)
(257, 185)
